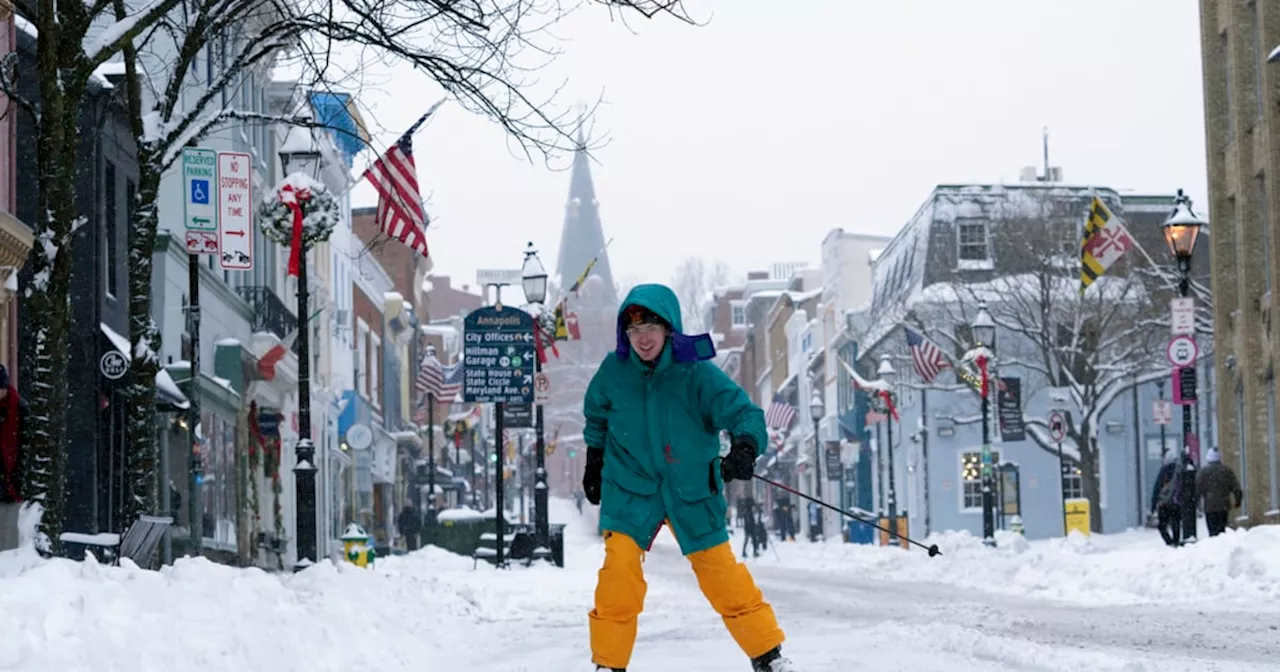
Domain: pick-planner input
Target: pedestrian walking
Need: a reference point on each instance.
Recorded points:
(1219, 491)
(1164, 500)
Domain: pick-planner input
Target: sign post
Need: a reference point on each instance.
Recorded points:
(200, 189)
(1182, 316)
(235, 211)
(498, 354)
(1058, 432)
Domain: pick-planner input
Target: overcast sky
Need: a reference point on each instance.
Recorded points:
(746, 140)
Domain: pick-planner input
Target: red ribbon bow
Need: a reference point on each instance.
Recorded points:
(982, 367)
(293, 198)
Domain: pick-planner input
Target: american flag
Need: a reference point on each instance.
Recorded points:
(779, 414)
(395, 176)
(925, 356)
(437, 380)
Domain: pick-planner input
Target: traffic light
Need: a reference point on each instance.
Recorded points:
(493, 458)
(572, 453)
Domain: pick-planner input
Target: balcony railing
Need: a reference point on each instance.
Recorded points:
(270, 314)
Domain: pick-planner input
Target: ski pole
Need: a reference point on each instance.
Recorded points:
(931, 548)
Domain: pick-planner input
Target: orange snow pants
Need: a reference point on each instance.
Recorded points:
(726, 583)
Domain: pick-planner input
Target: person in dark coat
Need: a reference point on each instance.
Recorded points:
(1219, 490)
(410, 524)
(783, 521)
(13, 415)
(1164, 500)
(747, 515)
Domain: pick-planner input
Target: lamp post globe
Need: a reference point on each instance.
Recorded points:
(533, 276)
(299, 153)
(984, 328)
(1182, 228)
(816, 408)
(886, 372)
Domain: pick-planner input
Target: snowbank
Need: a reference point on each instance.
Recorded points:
(406, 613)
(1133, 567)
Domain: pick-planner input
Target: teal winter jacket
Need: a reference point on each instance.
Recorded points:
(660, 428)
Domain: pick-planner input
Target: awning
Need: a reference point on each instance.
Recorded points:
(167, 390)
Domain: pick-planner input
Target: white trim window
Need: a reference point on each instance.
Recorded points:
(1072, 483)
(971, 479)
(738, 313)
(362, 358)
(972, 240)
(375, 364)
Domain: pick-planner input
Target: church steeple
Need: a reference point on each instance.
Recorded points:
(582, 237)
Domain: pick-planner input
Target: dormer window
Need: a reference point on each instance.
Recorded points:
(972, 242)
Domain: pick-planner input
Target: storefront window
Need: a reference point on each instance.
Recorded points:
(218, 484)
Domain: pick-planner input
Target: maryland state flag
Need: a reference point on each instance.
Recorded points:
(567, 328)
(1105, 241)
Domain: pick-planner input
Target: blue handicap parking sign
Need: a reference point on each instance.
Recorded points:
(200, 192)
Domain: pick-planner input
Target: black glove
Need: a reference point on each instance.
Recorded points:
(592, 474)
(740, 463)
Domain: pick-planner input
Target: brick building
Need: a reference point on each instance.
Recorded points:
(1242, 137)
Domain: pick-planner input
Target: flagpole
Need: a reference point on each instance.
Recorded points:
(586, 270)
(421, 120)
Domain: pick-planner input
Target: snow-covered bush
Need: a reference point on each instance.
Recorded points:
(321, 211)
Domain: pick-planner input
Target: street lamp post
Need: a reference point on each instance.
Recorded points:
(533, 279)
(299, 153)
(816, 411)
(431, 455)
(984, 336)
(1181, 231)
(888, 375)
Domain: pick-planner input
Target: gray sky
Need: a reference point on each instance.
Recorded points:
(747, 139)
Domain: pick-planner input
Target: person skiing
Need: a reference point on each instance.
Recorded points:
(654, 411)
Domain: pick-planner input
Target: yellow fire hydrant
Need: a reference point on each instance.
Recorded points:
(357, 546)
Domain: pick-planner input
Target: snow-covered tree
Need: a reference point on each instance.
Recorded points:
(1096, 346)
(471, 51)
(693, 284)
(73, 40)
(481, 52)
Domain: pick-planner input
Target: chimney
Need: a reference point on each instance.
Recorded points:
(440, 282)
(1028, 174)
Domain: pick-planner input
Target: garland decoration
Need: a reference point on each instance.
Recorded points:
(301, 210)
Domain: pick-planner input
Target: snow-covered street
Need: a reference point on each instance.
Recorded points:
(1211, 606)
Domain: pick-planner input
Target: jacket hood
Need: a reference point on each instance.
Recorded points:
(663, 302)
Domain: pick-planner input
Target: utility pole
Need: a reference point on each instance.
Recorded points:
(541, 519)
(193, 413)
(500, 516)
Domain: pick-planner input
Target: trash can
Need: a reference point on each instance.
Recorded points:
(556, 530)
(861, 533)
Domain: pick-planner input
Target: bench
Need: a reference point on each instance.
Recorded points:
(139, 542)
(488, 548)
